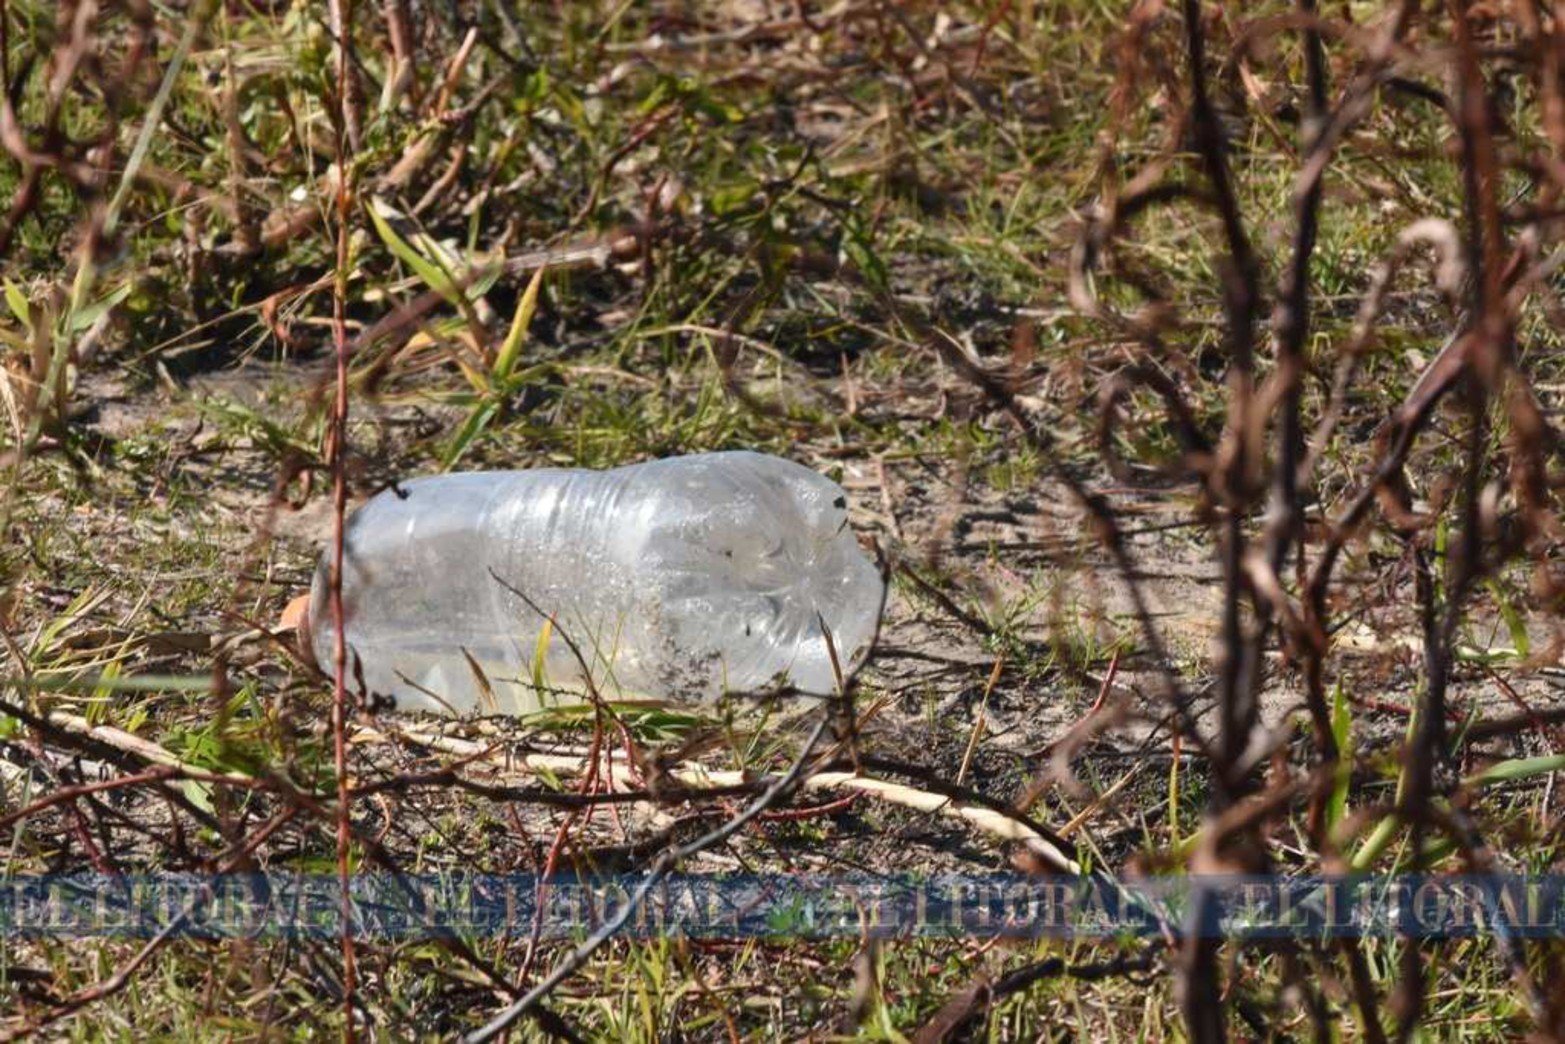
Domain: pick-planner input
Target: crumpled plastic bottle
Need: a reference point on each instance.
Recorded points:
(676, 579)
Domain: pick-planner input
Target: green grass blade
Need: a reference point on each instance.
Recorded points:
(433, 275)
(511, 349)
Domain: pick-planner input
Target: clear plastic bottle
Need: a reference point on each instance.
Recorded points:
(677, 579)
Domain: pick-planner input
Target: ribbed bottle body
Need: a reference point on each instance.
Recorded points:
(675, 579)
